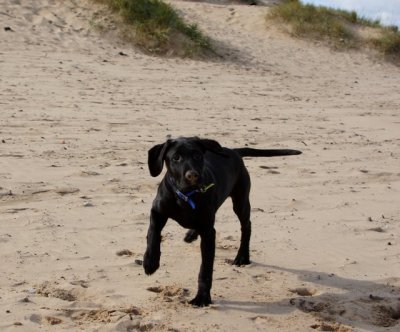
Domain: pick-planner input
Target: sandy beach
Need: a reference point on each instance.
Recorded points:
(79, 111)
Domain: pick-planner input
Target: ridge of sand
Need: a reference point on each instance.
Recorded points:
(79, 112)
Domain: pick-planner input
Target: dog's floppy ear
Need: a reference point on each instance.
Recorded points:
(213, 146)
(156, 158)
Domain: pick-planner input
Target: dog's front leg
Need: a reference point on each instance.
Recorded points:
(207, 245)
(151, 260)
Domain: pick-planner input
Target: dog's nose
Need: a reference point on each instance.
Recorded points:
(192, 176)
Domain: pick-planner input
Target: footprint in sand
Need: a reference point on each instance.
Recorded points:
(303, 291)
(39, 319)
(171, 293)
(336, 327)
(232, 13)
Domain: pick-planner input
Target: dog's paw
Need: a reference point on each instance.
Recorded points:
(150, 264)
(201, 300)
(191, 236)
(241, 260)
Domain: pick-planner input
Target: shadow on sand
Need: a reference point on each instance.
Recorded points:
(368, 305)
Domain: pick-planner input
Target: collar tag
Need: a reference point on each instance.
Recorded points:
(205, 188)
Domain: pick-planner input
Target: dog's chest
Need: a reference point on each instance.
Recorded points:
(191, 218)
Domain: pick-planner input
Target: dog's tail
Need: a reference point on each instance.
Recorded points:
(249, 152)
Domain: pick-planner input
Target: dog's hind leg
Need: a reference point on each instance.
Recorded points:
(191, 235)
(241, 207)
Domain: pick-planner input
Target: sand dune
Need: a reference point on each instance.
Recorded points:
(79, 110)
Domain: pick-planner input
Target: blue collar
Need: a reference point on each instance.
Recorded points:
(187, 197)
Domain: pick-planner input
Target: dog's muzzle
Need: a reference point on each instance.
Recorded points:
(192, 177)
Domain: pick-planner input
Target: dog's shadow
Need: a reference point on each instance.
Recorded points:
(359, 303)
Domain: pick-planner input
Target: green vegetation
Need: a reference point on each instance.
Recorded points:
(339, 28)
(389, 42)
(157, 28)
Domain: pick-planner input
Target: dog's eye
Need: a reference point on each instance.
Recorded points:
(177, 158)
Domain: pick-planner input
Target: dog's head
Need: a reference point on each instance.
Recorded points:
(184, 159)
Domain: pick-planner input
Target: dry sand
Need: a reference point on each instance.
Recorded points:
(77, 119)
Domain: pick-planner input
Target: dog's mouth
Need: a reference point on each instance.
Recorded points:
(189, 186)
(193, 183)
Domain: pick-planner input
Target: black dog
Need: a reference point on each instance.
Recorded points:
(200, 176)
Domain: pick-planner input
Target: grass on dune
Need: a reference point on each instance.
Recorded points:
(157, 27)
(337, 27)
